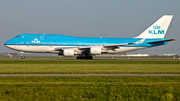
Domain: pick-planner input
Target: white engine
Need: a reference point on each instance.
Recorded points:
(68, 52)
(95, 50)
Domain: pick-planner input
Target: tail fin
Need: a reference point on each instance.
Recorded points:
(158, 29)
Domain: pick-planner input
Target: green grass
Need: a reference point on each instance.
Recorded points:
(89, 88)
(97, 80)
(88, 67)
(116, 88)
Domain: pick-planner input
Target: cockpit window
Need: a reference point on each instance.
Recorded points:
(18, 36)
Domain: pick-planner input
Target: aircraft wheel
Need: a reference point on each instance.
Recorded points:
(88, 57)
(91, 57)
(22, 57)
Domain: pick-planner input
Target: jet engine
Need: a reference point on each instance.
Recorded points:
(68, 52)
(95, 50)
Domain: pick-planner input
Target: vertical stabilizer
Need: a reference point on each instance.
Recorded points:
(158, 29)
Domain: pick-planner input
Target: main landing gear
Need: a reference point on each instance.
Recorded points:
(84, 57)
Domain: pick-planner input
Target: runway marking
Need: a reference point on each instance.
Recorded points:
(16, 75)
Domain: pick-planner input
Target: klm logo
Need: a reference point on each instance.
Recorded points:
(35, 41)
(156, 30)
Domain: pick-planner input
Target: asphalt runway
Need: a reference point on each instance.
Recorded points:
(95, 59)
(25, 75)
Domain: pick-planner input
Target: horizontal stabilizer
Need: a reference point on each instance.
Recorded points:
(161, 41)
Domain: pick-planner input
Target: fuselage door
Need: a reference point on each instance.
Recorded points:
(137, 45)
(42, 36)
(79, 43)
(50, 43)
(27, 43)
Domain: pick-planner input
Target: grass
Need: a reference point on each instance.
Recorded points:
(88, 67)
(97, 80)
(90, 88)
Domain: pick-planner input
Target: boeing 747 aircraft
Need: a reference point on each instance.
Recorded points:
(86, 47)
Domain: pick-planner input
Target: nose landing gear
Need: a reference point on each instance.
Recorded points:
(22, 56)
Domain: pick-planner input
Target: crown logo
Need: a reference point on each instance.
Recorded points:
(156, 27)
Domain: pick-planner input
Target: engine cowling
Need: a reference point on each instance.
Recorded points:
(68, 52)
(95, 50)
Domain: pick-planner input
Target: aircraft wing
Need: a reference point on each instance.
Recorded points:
(161, 41)
(109, 46)
(61, 49)
(84, 47)
(106, 46)
(113, 46)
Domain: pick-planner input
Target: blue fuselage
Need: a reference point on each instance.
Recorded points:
(62, 40)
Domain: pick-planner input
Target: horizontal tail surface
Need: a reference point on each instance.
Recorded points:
(167, 40)
(158, 29)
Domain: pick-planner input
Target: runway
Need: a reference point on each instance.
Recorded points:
(26, 75)
(91, 60)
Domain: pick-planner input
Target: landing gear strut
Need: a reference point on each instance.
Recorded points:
(22, 56)
(84, 57)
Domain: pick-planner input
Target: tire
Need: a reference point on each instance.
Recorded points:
(91, 57)
(22, 57)
(88, 57)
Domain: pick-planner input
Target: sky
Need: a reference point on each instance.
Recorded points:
(89, 18)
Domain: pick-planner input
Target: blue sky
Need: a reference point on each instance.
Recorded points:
(88, 18)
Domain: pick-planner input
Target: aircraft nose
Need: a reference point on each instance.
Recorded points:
(7, 43)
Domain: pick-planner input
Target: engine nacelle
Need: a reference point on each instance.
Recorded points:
(95, 50)
(68, 52)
